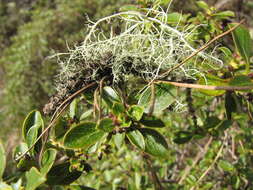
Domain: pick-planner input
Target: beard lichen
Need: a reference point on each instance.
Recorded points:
(145, 47)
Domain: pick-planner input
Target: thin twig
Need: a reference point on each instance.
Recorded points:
(56, 115)
(164, 74)
(196, 160)
(206, 87)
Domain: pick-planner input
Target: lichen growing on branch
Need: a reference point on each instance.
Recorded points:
(144, 47)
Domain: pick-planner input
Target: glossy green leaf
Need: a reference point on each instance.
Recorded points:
(213, 81)
(73, 108)
(110, 96)
(34, 179)
(152, 121)
(243, 43)
(61, 175)
(4, 186)
(182, 137)
(106, 125)
(136, 138)
(135, 112)
(118, 139)
(224, 14)
(226, 166)
(48, 160)
(33, 119)
(32, 136)
(82, 136)
(86, 114)
(2, 160)
(155, 143)
(165, 95)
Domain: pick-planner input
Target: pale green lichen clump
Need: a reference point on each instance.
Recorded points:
(144, 47)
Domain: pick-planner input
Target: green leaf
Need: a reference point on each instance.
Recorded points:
(230, 104)
(82, 136)
(118, 109)
(241, 80)
(243, 43)
(136, 138)
(4, 186)
(212, 122)
(174, 18)
(212, 80)
(203, 5)
(2, 160)
(48, 160)
(110, 96)
(224, 14)
(73, 108)
(227, 53)
(226, 166)
(33, 119)
(34, 179)
(155, 143)
(182, 137)
(32, 136)
(60, 128)
(118, 139)
(106, 125)
(165, 95)
(86, 114)
(152, 121)
(135, 112)
(19, 150)
(61, 175)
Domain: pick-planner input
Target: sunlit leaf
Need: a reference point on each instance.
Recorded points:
(73, 108)
(34, 179)
(135, 112)
(118, 139)
(82, 136)
(33, 119)
(226, 166)
(164, 96)
(136, 138)
(48, 160)
(213, 81)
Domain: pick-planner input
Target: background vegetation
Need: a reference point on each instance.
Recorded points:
(209, 143)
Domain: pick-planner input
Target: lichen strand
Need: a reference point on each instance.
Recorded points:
(145, 47)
